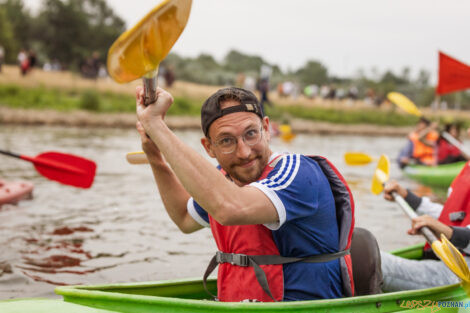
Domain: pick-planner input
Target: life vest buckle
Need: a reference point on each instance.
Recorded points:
(232, 258)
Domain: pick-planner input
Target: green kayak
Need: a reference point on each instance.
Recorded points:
(189, 296)
(440, 176)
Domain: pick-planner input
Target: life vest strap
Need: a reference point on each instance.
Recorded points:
(255, 261)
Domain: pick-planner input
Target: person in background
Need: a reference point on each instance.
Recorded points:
(169, 76)
(263, 88)
(447, 152)
(451, 219)
(23, 62)
(32, 60)
(259, 205)
(422, 145)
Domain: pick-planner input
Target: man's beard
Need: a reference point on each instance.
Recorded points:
(247, 178)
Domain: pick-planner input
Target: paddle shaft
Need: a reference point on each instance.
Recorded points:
(427, 233)
(137, 158)
(10, 154)
(456, 143)
(150, 87)
(45, 162)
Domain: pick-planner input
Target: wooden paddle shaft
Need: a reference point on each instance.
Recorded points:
(137, 158)
(150, 90)
(427, 233)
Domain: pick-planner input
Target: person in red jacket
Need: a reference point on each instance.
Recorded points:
(451, 219)
(447, 152)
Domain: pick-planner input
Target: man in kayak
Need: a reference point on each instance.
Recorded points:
(421, 145)
(282, 222)
(451, 219)
(446, 151)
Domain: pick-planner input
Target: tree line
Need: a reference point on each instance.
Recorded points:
(67, 31)
(72, 30)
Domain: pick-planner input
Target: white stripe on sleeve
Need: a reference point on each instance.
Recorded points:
(281, 210)
(194, 214)
(288, 170)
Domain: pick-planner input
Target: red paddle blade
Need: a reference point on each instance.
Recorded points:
(67, 169)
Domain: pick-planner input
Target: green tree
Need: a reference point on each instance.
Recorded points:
(390, 78)
(207, 62)
(71, 30)
(20, 20)
(238, 62)
(423, 78)
(405, 74)
(313, 73)
(7, 38)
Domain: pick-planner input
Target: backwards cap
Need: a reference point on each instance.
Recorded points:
(211, 111)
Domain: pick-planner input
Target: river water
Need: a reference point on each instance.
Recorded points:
(118, 230)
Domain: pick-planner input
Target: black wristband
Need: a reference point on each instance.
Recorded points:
(413, 200)
(460, 237)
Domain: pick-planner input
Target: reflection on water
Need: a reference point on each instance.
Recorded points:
(118, 231)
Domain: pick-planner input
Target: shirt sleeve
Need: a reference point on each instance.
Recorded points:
(197, 213)
(293, 186)
(429, 208)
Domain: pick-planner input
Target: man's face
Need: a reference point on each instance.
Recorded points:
(246, 163)
(420, 126)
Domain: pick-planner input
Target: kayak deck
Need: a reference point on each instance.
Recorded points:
(38, 305)
(440, 176)
(188, 296)
(184, 296)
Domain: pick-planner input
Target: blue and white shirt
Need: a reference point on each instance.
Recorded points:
(307, 225)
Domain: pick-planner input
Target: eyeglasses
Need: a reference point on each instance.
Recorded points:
(228, 144)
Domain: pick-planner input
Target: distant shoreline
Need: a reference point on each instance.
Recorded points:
(128, 120)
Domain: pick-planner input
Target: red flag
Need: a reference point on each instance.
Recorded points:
(453, 75)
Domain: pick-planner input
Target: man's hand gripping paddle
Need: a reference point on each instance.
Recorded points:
(445, 250)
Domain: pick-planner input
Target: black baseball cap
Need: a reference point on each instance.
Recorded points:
(211, 111)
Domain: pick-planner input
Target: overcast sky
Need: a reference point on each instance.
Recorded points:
(345, 35)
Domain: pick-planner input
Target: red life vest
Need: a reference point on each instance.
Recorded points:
(237, 283)
(456, 211)
(445, 150)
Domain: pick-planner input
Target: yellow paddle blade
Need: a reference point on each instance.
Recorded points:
(140, 50)
(458, 257)
(381, 175)
(404, 103)
(452, 258)
(137, 157)
(357, 158)
(286, 133)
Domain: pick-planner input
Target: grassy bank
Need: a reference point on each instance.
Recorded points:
(74, 99)
(108, 102)
(105, 101)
